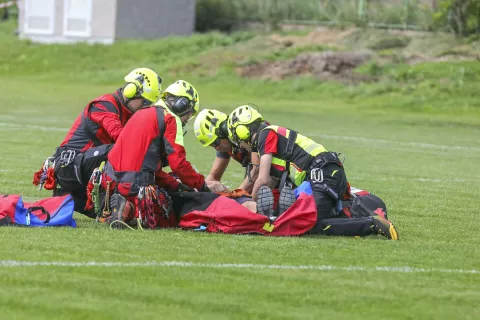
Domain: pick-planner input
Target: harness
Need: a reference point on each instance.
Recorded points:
(141, 178)
(96, 180)
(316, 171)
(297, 156)
(148, 198)
(309, 164)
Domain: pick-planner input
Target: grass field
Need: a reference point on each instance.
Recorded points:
(422, 160)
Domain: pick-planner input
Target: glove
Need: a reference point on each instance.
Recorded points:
(184, 188)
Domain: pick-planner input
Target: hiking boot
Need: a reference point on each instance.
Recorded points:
(120, 210)
(286, 199)
(384, 227)
(265, 201)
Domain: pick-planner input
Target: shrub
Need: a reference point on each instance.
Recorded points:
(391, 43)
(215, 15)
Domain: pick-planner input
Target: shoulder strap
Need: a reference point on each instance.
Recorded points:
(119, 104)
(88, 131)
(292, 137)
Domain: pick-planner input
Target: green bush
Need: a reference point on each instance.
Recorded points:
(391, 43)
(215, 15)
(461, 16)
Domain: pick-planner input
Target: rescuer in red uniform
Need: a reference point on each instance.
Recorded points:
(90, 138)
(151, 140)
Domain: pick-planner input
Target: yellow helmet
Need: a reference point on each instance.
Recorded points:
(240, 121)
(210, 125)
(143, 83)
(179, 90)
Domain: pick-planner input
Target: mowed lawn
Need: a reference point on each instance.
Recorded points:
(425, 167)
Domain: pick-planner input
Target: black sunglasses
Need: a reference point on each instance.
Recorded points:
(147, 102)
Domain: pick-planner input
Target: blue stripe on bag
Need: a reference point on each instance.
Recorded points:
(305, 187)
(62, 216)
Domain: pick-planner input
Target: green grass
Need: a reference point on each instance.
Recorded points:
(417, 149)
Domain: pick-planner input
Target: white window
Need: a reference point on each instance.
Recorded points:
(77, 18)
(39, 16)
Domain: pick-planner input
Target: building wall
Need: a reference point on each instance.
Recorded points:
(22, 19)
(112, 19)
(21, 16)
(103, 20)
(101, 24)
(150, 19)
(58, 31)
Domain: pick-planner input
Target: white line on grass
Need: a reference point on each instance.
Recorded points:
(325, 136)
(186, 264)
(429, 180)
(31, 126)
(405, 143)
(15, 182)
(17, 170)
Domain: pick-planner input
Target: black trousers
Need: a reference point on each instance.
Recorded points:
(73, 175)
(334, 179)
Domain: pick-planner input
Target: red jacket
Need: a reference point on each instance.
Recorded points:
(100, 122)
(152, 139)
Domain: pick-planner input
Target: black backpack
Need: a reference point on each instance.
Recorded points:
(363, 204)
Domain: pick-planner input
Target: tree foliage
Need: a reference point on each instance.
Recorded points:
(462, 16)
(215, 15)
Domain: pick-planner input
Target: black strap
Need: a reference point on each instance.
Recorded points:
(292, 137)
(324, 158)
(119, 103)
(88, 131)
(329, 191)
(247, 164)
(90, 134)
(32, 209)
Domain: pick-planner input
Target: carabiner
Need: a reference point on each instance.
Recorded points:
(316, 175)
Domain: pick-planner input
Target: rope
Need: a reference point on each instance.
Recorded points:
(122, 223)
(139, 225)
(106, 208)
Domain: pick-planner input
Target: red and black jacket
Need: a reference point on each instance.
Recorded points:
(151, 139)
(100, 123)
